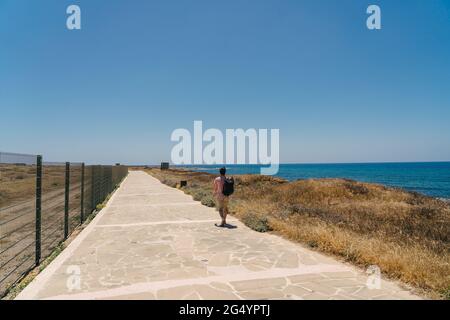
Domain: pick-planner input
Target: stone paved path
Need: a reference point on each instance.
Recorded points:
(154, 242)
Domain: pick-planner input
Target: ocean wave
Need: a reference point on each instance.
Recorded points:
(204, 169)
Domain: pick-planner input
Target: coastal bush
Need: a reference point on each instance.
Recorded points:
(208, 201)
(446, 293)
(170, 182)
(356, 188)
(425, 211)
(256, 222)
(199, 195)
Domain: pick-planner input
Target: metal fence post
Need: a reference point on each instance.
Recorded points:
(66, 202)
(102, 184)
(82, 194)
(109, 189)
(38, 209)
(102, 197)
(93, 178)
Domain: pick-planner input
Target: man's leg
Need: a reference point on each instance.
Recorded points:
(221, 209)
(224, 210)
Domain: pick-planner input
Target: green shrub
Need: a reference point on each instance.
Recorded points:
(188, 190)
(446, 294)
(169, 182)
(199, 195)
(208, 201)
(356, 188)
(256, 222)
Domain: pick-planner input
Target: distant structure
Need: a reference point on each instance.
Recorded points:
(164, 166)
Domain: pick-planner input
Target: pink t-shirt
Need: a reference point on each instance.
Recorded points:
(218, 187)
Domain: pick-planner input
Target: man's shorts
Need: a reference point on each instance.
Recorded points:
(222, 203)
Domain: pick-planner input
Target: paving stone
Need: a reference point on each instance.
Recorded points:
(175, 293)
(367, 293)
(265, 293)
(296, 290)
(341, 297)
(341, 283)
(221, 286)
(319, 288)
(340, 275)
(306, 277)
(287, 260)
(136, 296)
(315, 296)
(258, 283)
(208, 293)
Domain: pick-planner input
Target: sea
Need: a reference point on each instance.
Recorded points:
(429, 178)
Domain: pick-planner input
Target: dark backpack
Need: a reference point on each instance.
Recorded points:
(228, 187)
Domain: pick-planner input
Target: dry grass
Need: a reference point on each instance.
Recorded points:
(18, 182)
(406, 234)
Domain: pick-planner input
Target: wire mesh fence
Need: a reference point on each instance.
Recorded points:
(41, 204)
(17, 223)
(52, 205)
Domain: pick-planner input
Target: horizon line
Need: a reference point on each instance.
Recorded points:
(302, 163)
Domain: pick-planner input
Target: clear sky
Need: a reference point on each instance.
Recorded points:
(115, 90)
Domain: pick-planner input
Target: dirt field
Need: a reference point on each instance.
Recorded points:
(17, 214)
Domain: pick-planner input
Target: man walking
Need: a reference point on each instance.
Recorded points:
(223, 188)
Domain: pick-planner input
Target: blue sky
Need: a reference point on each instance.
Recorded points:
(115, 90)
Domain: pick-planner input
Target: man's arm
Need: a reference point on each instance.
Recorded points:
(215, 187)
